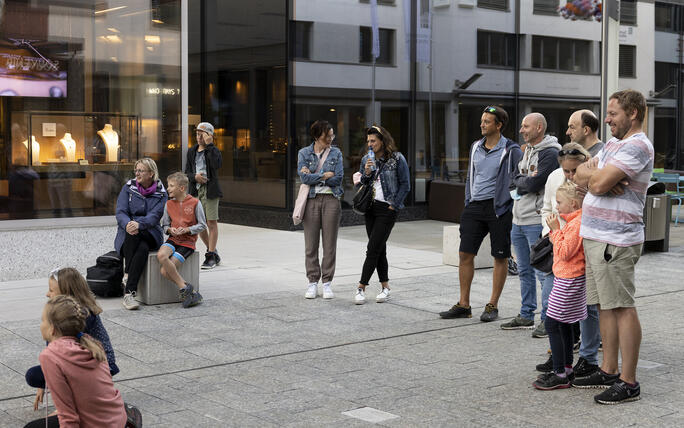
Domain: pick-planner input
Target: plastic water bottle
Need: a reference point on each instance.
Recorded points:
(371, 156)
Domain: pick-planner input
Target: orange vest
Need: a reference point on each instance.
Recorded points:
(182, 214)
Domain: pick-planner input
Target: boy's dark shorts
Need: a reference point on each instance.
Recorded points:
(478, 219)
(180, 252)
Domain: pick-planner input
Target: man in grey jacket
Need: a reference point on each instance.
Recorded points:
(539, 160)
(487, 210)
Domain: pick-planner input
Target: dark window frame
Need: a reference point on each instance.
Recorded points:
(623, 70)
(510, 55)
(628, 12)
(494, 5)
(365, 42)
(576, 43)
(543, 7)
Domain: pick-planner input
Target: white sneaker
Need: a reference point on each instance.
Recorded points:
(327, 291)
(360, 297)
(129, 302)
(383, 296)
(312, 291)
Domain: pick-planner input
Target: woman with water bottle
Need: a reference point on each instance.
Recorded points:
(387, 171)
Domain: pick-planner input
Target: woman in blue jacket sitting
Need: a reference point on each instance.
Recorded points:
(388, 173)
(139, 208)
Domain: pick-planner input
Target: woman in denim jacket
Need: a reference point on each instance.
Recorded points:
(322, 212)
(389, 176)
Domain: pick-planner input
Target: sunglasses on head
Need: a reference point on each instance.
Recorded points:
(54, 274)
(573, 152)
(489, 110)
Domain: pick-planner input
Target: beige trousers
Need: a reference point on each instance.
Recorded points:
(321, 217)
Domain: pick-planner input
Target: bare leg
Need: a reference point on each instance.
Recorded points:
(169, 267)
(611, 342)
(629, 333)
(466, 271)
(385, 284)
(212, 227)
(498, 279)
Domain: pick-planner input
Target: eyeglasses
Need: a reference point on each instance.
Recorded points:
(573, 152)
(489, 110)
(140, 171)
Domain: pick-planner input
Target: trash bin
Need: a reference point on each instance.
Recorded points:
(657, 214)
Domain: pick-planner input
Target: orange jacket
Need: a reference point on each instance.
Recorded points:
(186, 213)
(568, 252)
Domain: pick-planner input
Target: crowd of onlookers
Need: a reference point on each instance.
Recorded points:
(585, 198)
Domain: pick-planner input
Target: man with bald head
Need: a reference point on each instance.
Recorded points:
(582, 128)
(539, 160)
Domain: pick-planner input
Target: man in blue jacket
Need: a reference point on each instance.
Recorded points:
(488, 207)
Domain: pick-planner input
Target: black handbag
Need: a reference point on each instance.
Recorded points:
(363, 198)
(541, 255)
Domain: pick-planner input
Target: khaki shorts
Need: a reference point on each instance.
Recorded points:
(210, 206)
(610, 274)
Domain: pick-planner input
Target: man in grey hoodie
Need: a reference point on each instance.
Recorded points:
(539, 160)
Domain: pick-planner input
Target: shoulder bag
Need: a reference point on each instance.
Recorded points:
(541, 254)
(303, 195)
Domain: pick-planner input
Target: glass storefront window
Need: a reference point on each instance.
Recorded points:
(93, 86)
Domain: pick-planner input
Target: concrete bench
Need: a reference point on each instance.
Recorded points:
(451, 239)
(154, 289)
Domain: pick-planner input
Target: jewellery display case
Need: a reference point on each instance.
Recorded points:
(81, 159)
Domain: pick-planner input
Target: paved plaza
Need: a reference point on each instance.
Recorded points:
(256, 353)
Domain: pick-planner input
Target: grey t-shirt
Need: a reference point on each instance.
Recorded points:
(200, 166)
(593, 150)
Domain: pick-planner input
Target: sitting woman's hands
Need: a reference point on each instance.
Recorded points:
(305, 170)
(132, 227)
(327, 175)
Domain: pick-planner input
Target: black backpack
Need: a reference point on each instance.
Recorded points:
(104, 279)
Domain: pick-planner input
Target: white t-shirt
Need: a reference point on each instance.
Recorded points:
(618, 220)
(379, 196)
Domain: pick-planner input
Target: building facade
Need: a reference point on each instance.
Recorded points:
(263, 71)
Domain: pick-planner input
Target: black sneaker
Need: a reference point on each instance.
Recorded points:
(549, 381)
(598, 379)
(583, 368)
(490, 313)
(209, 261)
(457, 311)
(546, 367)
(217, 259)
(512, 267)
(618, 393)
(193, 300)
(186, 294)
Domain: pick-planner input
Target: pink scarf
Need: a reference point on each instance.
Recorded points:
(146, 192)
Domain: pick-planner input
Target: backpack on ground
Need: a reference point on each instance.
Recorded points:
(104, 279)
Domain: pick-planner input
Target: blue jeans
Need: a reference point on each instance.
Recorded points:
(547, 286)
(591, 335)
(522, 238)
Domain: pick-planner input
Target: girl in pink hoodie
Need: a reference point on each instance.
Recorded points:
(76, 369)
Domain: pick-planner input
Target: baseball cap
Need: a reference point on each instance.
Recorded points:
(206, 127)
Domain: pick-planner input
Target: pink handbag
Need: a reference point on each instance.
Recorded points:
(303, 195)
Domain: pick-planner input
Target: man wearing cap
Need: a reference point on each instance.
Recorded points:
(203, 163)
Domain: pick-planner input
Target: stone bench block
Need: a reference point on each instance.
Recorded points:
(154, 289)
(451, 239)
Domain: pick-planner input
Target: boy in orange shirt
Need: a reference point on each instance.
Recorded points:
(183, 220)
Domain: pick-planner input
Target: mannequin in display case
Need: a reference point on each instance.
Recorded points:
(69, 147)
(111, 141)
(35, 150)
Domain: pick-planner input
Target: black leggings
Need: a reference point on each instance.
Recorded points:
(561, 340)
(135, 250)
(379, 223)
(52, 422)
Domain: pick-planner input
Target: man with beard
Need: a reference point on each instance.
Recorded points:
(613, 233)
